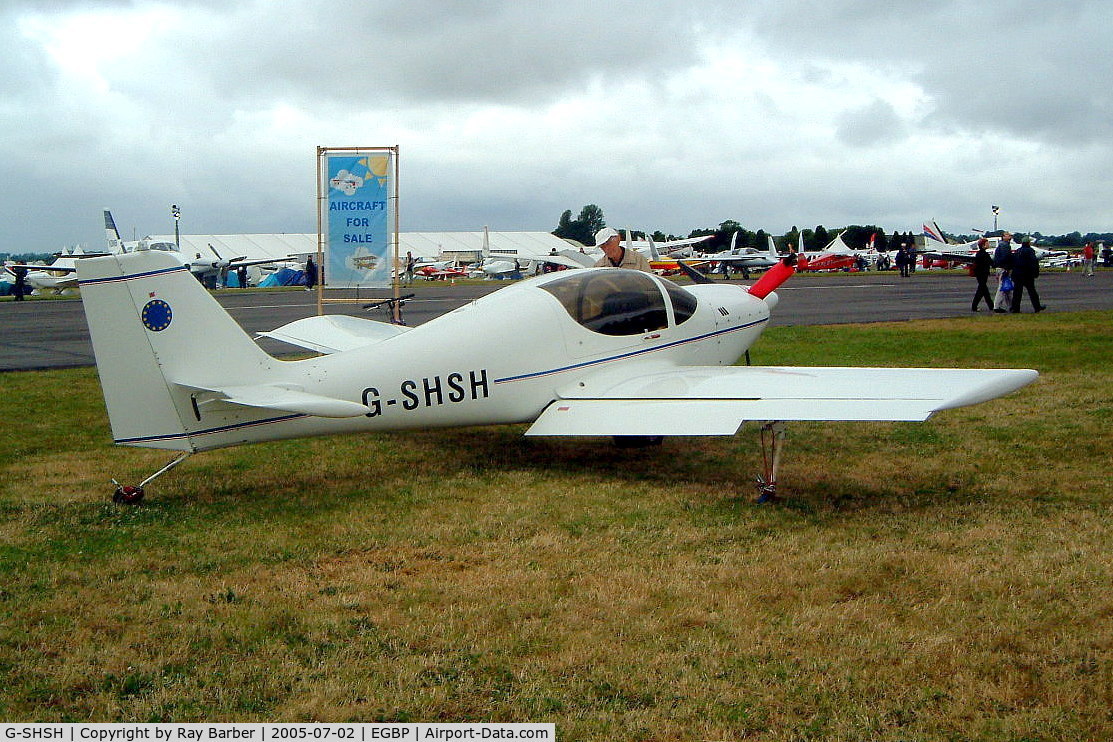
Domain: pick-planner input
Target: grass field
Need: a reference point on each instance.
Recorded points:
(939, 581)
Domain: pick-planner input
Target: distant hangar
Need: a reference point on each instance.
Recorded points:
(462, 246)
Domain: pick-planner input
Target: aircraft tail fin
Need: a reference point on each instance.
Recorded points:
(111, 234)
(156, 333)
(932, 232)
(772, 253)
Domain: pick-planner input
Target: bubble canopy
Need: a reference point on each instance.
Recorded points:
(621, 302)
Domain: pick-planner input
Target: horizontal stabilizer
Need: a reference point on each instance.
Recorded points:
(333, 333)
(271, 397)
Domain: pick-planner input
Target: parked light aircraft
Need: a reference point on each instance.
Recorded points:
(667, 266)
(59, 275)
(748, 257)
(516, 264)
(669, 248)
(209, 271)
(56, 277)
(839, 256)
(593, 352)
(937, 248)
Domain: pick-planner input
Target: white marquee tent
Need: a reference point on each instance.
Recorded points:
(432, 245)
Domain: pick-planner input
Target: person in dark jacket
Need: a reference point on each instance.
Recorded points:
(1026, 268)
(311, 274)
(902, 260)
(20, 287)
(982, 266)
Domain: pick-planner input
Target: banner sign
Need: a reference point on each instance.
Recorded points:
(359, 217)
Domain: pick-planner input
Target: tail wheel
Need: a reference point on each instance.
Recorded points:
(128, 495)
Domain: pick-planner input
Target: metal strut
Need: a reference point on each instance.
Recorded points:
(772, 443)
(127, 495)
(393, 306)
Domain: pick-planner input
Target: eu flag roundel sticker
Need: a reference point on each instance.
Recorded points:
(157, 315)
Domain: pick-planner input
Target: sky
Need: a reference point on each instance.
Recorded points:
(670, 115)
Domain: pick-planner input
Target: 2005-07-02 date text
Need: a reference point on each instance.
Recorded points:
(315, 732)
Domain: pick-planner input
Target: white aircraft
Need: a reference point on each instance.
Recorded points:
(56, 277)
(209, 271)
(936, 247)
(667, 249)
(59, 275)
(748, 257)
(593, 352)
(214, 273)
(501, 265)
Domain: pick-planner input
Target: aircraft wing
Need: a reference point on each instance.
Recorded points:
(958, 257)
(673, 244)
(259, 261)
(740, 259)
(55, 268)
(717, 400)
(570, 259)
(332, 333)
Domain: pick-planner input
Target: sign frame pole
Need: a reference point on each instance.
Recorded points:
(322, 236)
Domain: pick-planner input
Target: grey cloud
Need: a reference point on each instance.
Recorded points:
(1020, 67)
(416, 51)
(874, 123)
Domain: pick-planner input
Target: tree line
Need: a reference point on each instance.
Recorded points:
(582, 229)
(27, 257)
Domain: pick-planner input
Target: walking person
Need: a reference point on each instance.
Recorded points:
(1088, 259)
(983, 264)
(1026, 268)
(1003, 263)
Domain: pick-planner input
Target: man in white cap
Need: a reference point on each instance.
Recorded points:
(615, 255)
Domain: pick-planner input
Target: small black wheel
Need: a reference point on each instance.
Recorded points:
(128, 495)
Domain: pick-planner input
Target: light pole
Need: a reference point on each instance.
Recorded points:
(177, 214)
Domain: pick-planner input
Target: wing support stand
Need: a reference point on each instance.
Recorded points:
(127, 495)
(393, 307)
(772, 443)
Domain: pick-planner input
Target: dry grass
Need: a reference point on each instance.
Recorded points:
(923, 582)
